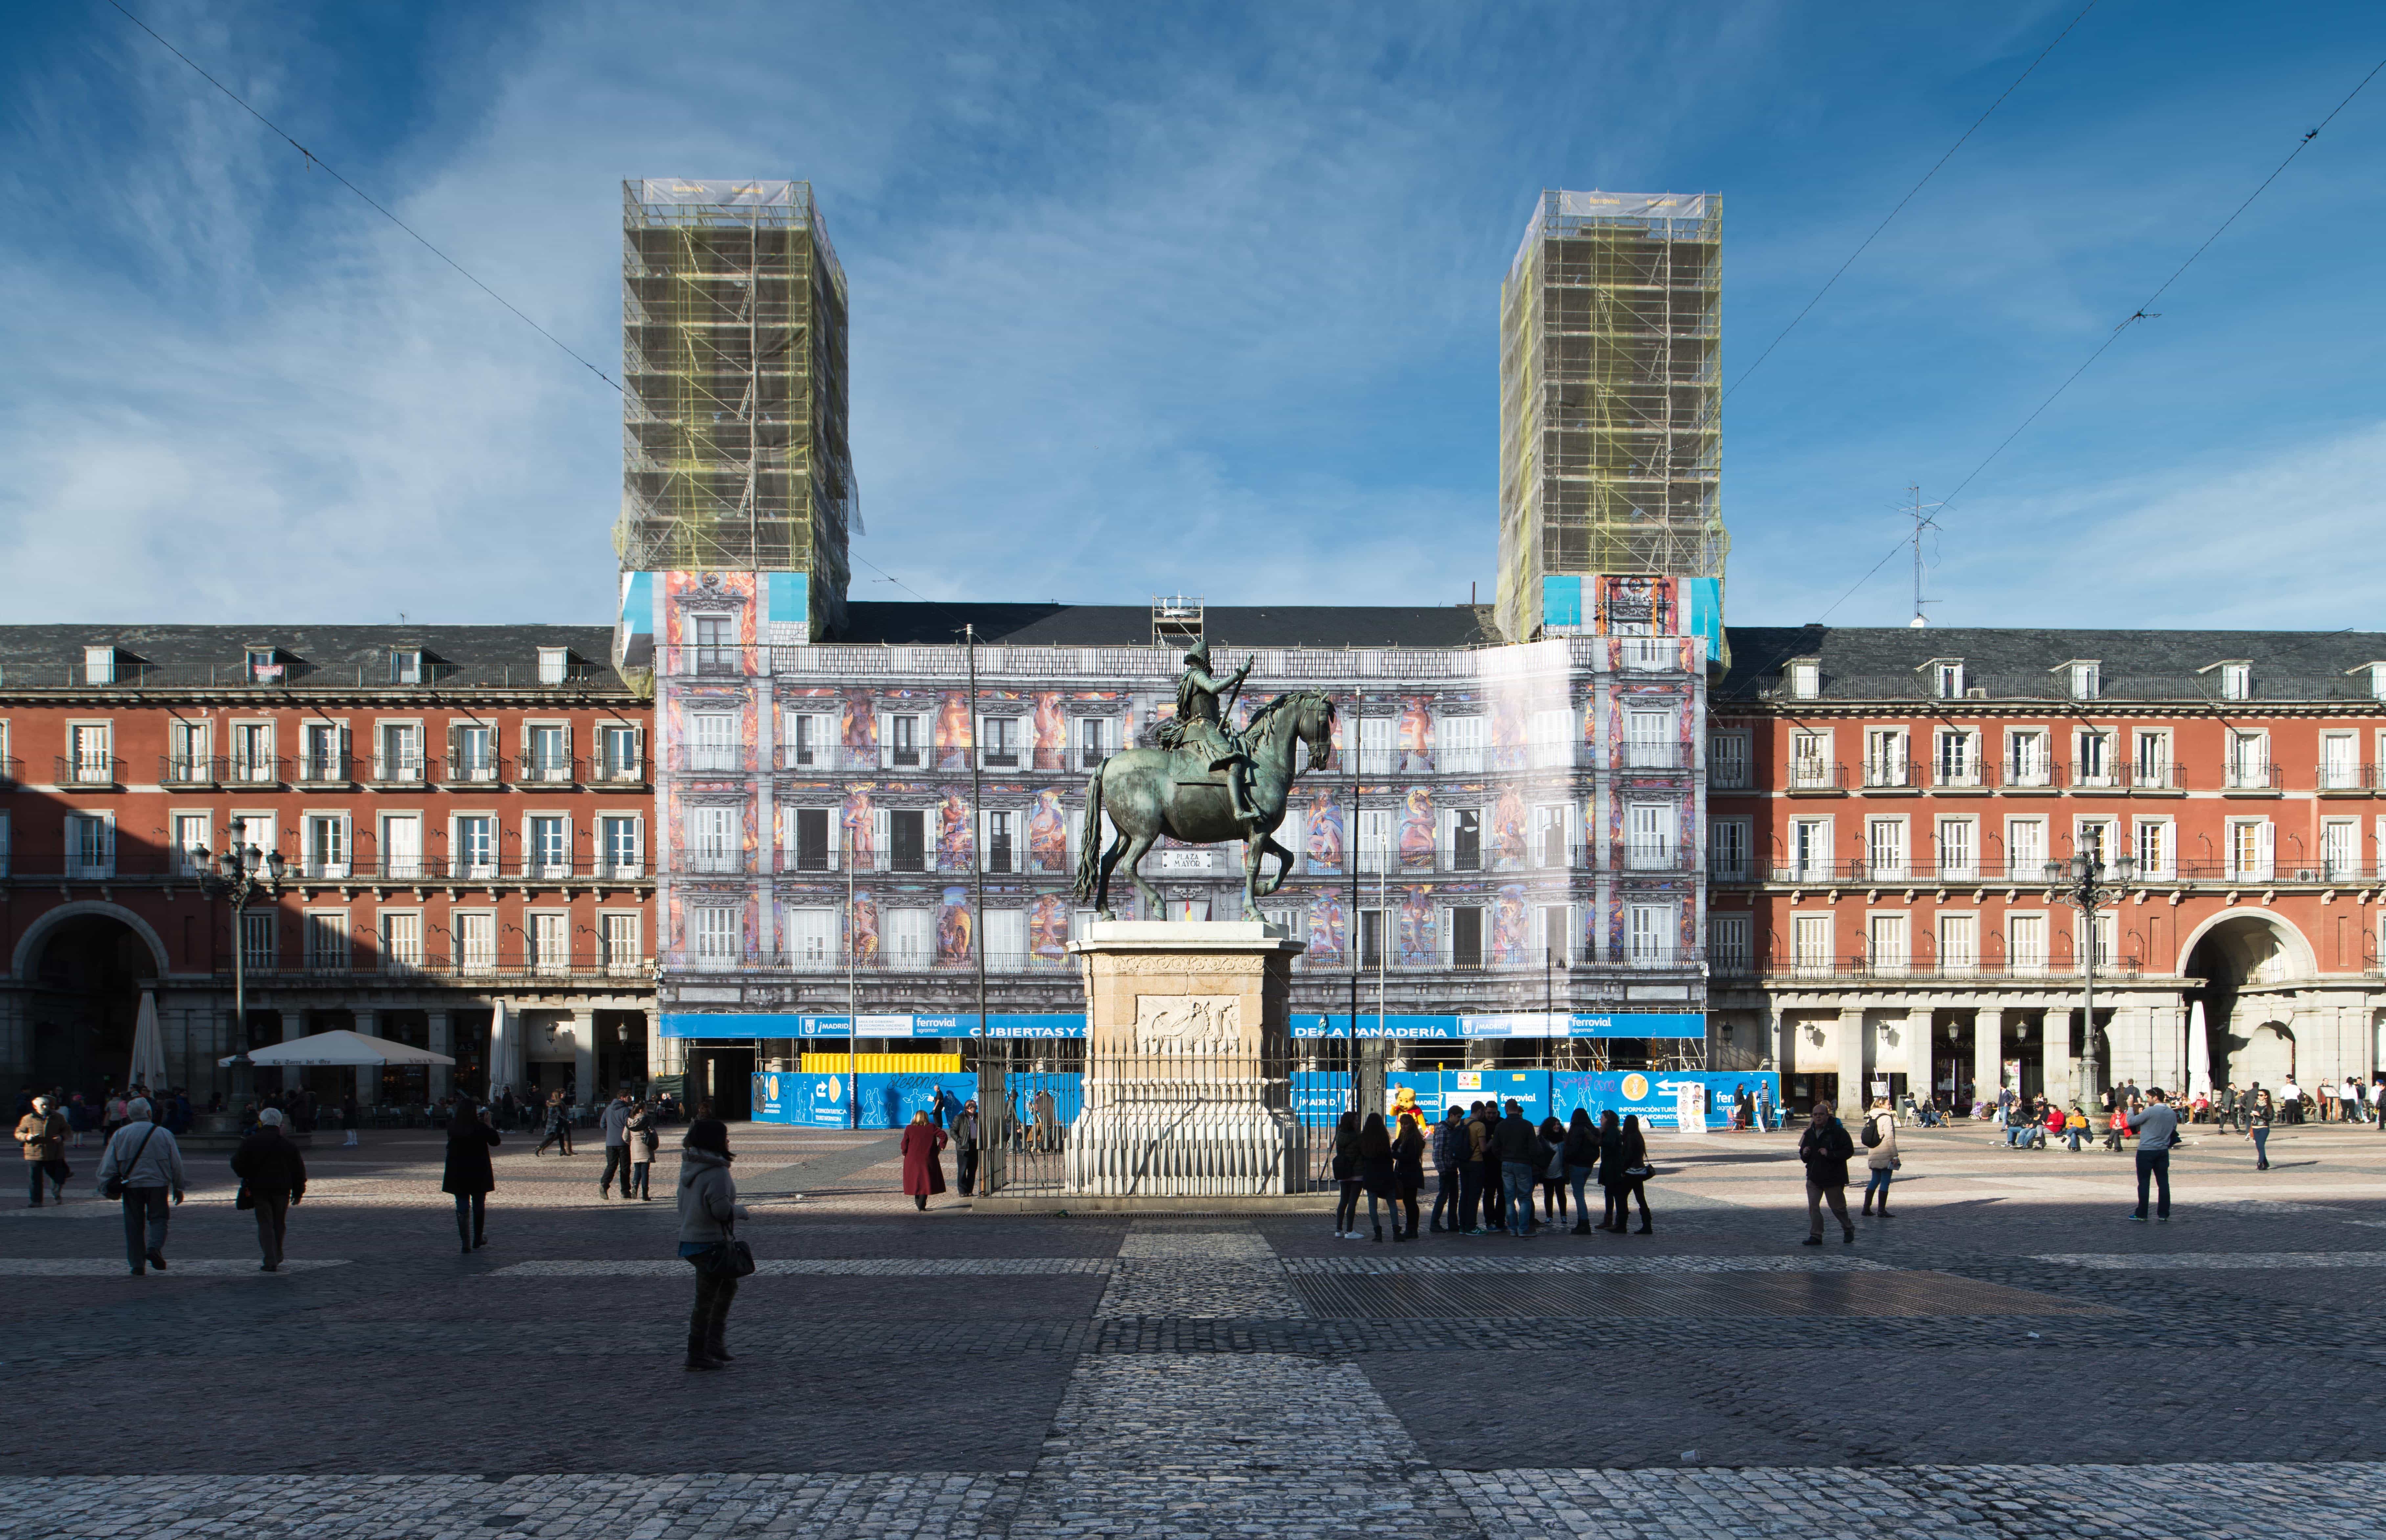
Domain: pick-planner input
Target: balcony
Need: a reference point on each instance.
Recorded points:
(1814, 777)
(257, 770)
(129, 865)
(185, 771)
(400, 770)
(1519, 979)
(1958, 775)
(319, 771)
(90, 770)
(2095, 776)
(2035, 773)
(1861, 969)
(12, 772)
(1891, 774)
(2161, 776)
(1647, 755)
(617, 772)
(436, 968)
(546, 772)
(2251, 778)
(2345, 780)
(470, 770)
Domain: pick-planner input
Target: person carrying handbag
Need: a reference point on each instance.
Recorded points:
(708, 1212)
(42, 1134)
(272, 1179)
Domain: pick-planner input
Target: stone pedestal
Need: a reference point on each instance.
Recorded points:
(1188, 1055)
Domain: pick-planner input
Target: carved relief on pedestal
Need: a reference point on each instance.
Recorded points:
(1187, 1023)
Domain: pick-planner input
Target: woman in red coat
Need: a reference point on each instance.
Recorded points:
(924, 1166)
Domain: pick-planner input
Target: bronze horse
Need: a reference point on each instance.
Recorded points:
(1150, 792)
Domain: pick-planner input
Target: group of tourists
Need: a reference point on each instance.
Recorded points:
(1490, 1162)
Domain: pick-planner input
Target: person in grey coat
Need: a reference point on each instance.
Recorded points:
(615, 1122)
(145, 1160)
(708, 1212)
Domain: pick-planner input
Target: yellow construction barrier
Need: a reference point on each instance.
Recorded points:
(883, 1064)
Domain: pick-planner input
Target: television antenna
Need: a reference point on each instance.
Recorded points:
(1919, 512)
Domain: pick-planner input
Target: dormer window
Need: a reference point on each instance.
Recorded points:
(2236, 681)
(99, 665)
(2084, 679)
(2376, 680)
(405, 665)
(1946, 678)
(554, 665)
(264, 665)
(1805, 679)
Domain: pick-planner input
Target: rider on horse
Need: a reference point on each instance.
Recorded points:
(1200, 726)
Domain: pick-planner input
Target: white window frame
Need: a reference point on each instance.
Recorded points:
(1805, 676)
(2252, 859)
(714, 745)
(1888, 941)
(716, 937)
(2154, 772)
(2029, 758)
(400, 868)
(2029, 941)
(2155, 843)
(536, 863)
(1727, 761)
(398, 940)
(475, 937)
(1727, 943)
(541, 769)
(2249, 759)
(809, 740)
(1888, 757)
(555, 665)
(329, 946)
(400, 765)
(405, 665)
(1947, 679)
(182, 825)
(716, 840)
(1652, 740)
(2340, 850)
(2027, 866)
(2236, 681)
(1648, 837)
(1958, 941)
(327, 847)
(547, 939)
(461, 856)
(1886, 856)
(1810, 946)
(1001, 739)
(2340, 772)
(1810, 761)
(2083, 679)
(614, 927)
(249, 758)
(1652, 938)
(1962, 863)
(1955, 757)
(1727, 849)
(1810, 854)
(2094, 759)
(636, 865)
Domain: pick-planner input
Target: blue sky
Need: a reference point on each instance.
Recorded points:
(1197, 297)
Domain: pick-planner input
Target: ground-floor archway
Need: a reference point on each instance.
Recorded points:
(86, 970)
(2238, 956)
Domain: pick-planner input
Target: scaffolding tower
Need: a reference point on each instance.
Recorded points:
(734, 454)
(1611, 395)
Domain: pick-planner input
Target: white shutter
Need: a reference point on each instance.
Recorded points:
(2270, 855)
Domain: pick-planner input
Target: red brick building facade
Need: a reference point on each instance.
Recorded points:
(1883, 804)
(460, 811)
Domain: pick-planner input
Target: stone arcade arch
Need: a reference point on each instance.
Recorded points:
(85, 963)
(2247, 959)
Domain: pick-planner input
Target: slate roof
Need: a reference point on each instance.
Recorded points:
(315, 657)
(1863, 664)
(872, 622)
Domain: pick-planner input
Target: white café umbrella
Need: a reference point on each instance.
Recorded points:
(148, 1046)
(2199, 1052)
(342, 1048)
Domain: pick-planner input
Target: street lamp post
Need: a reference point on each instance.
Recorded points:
(240, 873)
(2081, 883)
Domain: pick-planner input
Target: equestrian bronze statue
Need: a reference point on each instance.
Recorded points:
(1207, 783)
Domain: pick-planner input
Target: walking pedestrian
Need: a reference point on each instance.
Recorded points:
(965, 1145)
(941, 1107)
(1408, 1174)
(1825, 1148)
(1630, 1171)
(1552, 1171)
(708, 1212)
(1880, 1154)
(143, 1164)
(638, 1138)
(469, 1176)
(2257, 1123)
(615, 1123)
(2378, 1104)
(2156, 1126)
(1375, 1174)
(558, 1126)
(924, 1172)
(351, 1119)
(1610, 1173)
(1448, 1154)
(1519, 1148)
(1346, 1172)
(1580, 1154)
(272, 1180)
(41, 1133)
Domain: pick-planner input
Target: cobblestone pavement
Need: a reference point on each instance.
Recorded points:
(2006, 1348)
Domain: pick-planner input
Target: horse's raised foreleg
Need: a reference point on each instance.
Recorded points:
(1283, 869)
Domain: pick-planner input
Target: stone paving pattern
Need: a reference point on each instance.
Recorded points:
(2007, 1347)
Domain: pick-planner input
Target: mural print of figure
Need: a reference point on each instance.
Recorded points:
(858, 730)
(1047, 931)
(1508, 731)
(953, 731)
(1324, 851)
(1415, 836)
(1511, 926)
(1510, 849)
(1051, 732)
(865, 931)
(1420, 932)
(956, 847)
(954, 931)
(860, 820)
(1328, 925)
(1416, 735)
(1048, 834)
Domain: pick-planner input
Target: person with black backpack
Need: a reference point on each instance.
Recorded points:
(1880, 1157)
(1826, 1149)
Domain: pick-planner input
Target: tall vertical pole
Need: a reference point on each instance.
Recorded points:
(2087, 981)
(1351, 856)
(852, 1005)
(977, 838)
